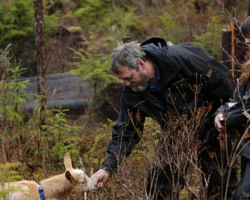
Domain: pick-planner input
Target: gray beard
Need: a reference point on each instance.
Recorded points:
(138, 88)
(141, 86)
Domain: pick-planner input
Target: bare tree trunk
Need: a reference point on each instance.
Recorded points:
(41, 70)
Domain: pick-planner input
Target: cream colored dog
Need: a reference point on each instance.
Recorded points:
(55, 187)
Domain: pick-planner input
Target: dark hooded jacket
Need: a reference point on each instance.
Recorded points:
(180, 66)
(236, 121)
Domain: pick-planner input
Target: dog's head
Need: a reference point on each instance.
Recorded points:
(77, 177)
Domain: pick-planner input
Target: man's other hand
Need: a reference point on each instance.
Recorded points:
(217, 121)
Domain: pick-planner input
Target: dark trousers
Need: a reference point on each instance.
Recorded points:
(160, 183)
(243, 188)
(238, 123)
(160, 180)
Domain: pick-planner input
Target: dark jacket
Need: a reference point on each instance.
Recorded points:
(237, 123)
(234, 108)
(180, 67)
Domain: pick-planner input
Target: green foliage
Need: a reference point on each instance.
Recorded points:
(124, 21)
(67, 144)
(172, 27)
(56, 129)
(101, 133)
(16, 133)
(110, 19)
(93, 63)
(51, 23)
(57, 137)
(13, 98)
(51, 20)
(13, 94)
(56, 124)
(89, 18)
(16, 19)
(133, 169)
(145, 150)
(8, 173)
(5, 59)
(211, 40)
(94, 143)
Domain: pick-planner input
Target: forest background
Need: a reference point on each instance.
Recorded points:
(79, 38)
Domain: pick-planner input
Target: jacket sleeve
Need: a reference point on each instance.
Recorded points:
(124, 135)
(218, 82)
(233, 109)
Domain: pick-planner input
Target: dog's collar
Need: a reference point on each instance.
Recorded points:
(41, 192)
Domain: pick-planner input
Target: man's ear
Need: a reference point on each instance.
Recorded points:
(142, 64)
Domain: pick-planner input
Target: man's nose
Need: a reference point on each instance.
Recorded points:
(127, 83)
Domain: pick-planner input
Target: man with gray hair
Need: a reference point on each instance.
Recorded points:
(152, 72)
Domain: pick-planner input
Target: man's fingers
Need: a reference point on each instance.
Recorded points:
(97, 183)
(217, 122)
(96, 178)
(221, 118)
(100, 185)
(100, 178)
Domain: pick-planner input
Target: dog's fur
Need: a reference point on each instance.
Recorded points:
(55, 187)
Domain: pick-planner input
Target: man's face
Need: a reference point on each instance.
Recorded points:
(137, 80)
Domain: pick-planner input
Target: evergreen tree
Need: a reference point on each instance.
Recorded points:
(93, 63)
(16, 19)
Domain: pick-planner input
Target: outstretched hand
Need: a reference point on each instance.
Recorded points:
(100, 177)
(217, 121)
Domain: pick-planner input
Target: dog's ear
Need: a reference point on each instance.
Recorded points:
(67, 161)
(69, 177)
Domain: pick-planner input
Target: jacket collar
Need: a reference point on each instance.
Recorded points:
(157, 50)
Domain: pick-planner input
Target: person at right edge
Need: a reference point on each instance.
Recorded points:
(152, 73)
(230, 118)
